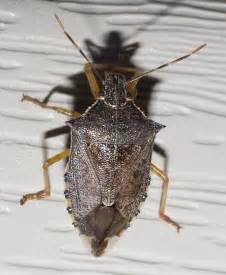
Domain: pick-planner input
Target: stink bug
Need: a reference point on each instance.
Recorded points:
(109, 165)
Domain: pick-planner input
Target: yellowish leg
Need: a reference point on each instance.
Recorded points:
(95, 89)
(47, 190)
(55, 108)
(132, 86)
(162, 206)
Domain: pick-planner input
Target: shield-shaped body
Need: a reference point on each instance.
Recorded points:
(109, 167)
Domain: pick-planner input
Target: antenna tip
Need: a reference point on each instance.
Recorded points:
(203, 45)
(59, 21)
(199, 48)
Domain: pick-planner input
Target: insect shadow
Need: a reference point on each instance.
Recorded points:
(115, 52)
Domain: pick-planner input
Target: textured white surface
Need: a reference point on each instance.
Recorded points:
(190, 99)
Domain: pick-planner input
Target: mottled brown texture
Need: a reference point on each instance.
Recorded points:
(109, 166)
(100, 224)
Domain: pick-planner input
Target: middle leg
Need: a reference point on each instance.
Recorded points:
(162, 206)
(46, 191)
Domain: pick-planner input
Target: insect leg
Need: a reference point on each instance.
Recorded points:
(162, 206)
(160, 150)
(94, 87)
(47, 189)
(60, 110)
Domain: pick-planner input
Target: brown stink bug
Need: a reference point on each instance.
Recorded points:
(109, 165)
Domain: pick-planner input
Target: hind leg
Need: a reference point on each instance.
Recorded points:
(47, 190)
(162, 206)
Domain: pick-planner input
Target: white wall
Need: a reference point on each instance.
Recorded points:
(190, 99)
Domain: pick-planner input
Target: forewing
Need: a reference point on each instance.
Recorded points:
(135, 177)
(83, 181)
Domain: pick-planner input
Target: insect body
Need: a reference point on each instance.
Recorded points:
(109, 164)
(108, 171)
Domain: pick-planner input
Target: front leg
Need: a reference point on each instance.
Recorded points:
(60, 110)
(47, 188)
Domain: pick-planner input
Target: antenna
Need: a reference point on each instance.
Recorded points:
(77, 46)
(167, 64)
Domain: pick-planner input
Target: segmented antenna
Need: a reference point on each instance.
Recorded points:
(77, 46)
(167, 64)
